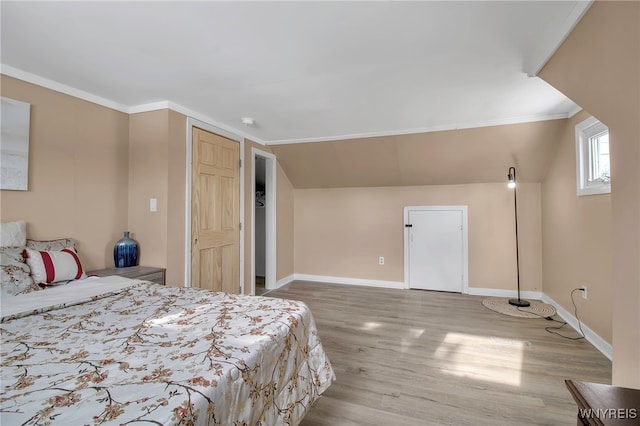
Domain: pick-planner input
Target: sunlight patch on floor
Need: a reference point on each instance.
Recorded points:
(409, 339)
(463, 358)
(370, 325)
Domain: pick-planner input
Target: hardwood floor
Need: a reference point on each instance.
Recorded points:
(260, 287)
(412, 357)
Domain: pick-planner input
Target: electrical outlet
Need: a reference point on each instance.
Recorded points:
(381, 260)
(583, 290)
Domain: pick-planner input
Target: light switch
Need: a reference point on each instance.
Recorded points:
(153, 205)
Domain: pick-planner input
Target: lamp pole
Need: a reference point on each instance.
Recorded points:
(511, 176)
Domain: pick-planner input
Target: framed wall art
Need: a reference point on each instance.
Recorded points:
(14, 144)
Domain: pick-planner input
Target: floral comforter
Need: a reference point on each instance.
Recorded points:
(154, 354)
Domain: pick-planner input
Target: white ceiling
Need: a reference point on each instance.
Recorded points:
(304, 71)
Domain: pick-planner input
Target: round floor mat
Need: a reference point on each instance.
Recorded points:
(537, 309)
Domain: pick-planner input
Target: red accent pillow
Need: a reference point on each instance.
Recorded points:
(48, 267)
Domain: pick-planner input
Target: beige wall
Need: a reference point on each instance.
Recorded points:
(92, 173)
(78, 172)
(342, 232)
(451, 157)
(598, 66)
(284, 225)
(577, 240)
(157, 156)
(148, 177)
(176, 196)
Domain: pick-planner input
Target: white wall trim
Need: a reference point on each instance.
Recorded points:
(153, 106)
(62, 88)
(284, 281)
(270, 220)
(600, 344)
(429, 129)
(583, 132)
(196, 115)
(193, 122)
(129, 109)
(187, 207)
(280, 283)
(251, 208)
(465, 241)
(242, 216)
(592, 337)
(574, 111)
(570, 22)
(349, 281)
(167, 104)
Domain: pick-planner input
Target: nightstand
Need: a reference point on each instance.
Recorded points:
(147, 273)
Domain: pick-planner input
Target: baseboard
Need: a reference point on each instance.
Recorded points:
(284, 281)
(350, 281)
(496, 292)
(600, 344)
(592, 337)
(280, 283)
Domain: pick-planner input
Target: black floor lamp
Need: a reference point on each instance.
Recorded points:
(512, 184)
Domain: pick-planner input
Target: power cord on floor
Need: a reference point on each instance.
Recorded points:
(552, 330)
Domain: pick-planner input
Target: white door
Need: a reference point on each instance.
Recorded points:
(436, 258)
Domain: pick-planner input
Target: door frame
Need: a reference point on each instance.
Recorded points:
(465, 241)
(191, 123)
(270, 219)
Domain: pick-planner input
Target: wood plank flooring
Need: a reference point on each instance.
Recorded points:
(412, 357)
(260, 286)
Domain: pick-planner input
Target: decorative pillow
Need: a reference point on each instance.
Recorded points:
(49, 267)
(13, 234)
(52, 245)
(14, 273)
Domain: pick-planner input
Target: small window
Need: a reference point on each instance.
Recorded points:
(592, 158)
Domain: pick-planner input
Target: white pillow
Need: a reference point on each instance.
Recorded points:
(13, 234)
(15, 275)
(48, 267)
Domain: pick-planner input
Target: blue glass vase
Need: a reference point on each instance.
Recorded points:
(125, 252)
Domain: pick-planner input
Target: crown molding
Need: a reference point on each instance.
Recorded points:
(167, 104)
(574, 111)
(579, 9)
(135, 109)
(155, 106)
(62, 88)
(454, 126)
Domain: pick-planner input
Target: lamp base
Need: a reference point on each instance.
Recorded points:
(519, 303)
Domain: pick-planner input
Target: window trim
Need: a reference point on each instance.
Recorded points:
(585, 130)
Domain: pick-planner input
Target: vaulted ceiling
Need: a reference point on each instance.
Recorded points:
(305, 71)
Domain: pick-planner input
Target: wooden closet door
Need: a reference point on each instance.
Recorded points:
(215, 213)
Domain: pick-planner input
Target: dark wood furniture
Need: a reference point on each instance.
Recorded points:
(600, 404)
(148, 273)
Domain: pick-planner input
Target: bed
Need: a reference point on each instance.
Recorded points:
(117, 351)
